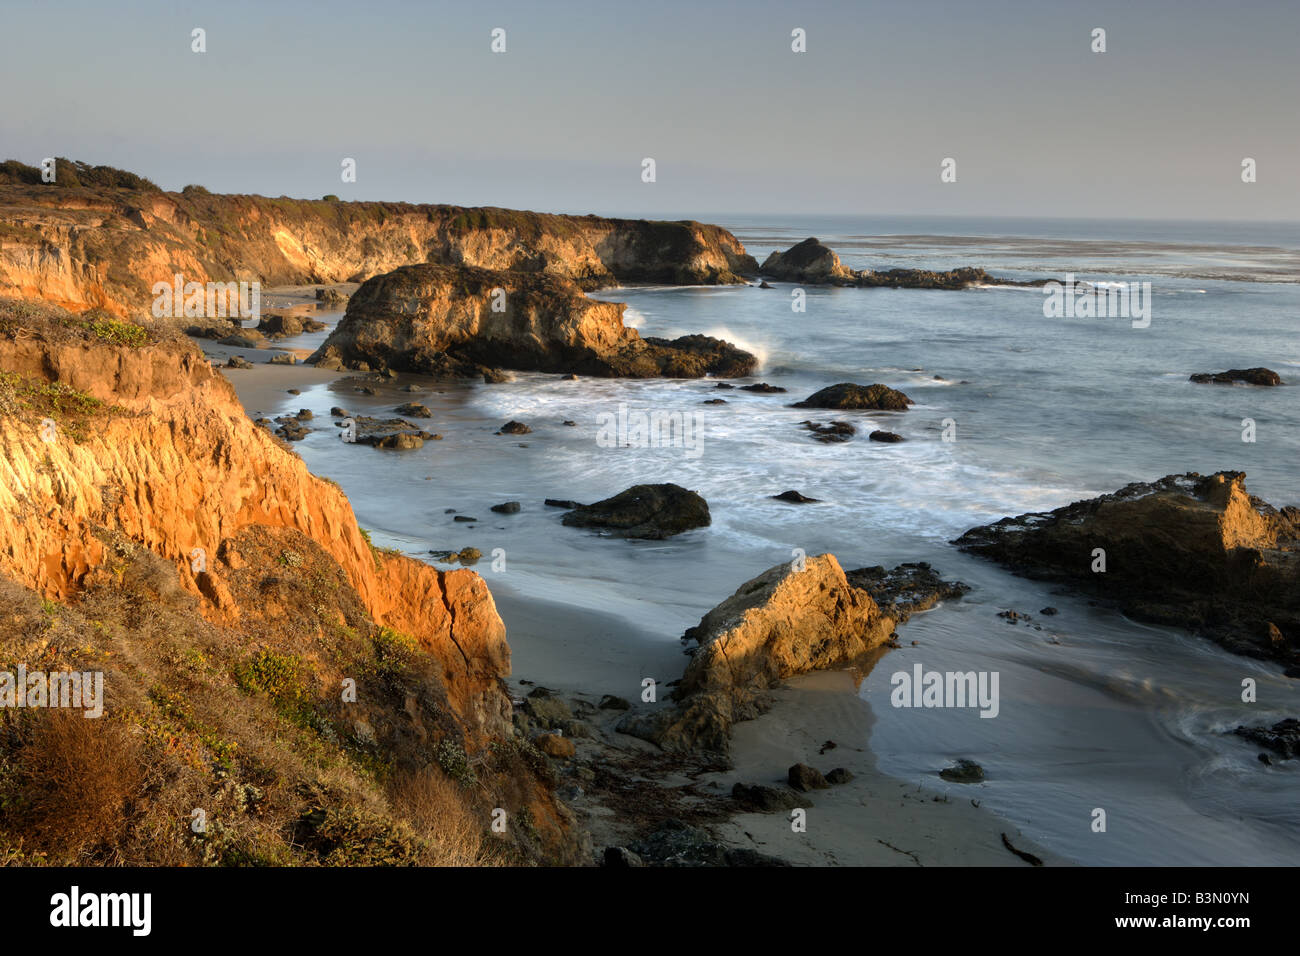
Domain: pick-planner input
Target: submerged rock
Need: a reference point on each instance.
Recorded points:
(644, 511)
(884, 436)
(1187, 550)
(1283, 738)
(966, 771)
(793, 497)
(833, 432)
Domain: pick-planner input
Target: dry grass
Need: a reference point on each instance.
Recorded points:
(437, 809)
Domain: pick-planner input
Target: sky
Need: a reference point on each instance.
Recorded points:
(736, 122)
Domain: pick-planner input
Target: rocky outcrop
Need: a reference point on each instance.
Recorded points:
(644, 511)
(846, 395)
(1247, 376)
(808, 261)
(812, 263)
(791, 619)
(1188, 550)
(84, 246)
(454, 321)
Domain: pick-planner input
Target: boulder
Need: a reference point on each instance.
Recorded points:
(514, 428)
(414, 410)
(782, 623)
(767, 799)
(884, 436)
(832, 432)
(506, 508)
(793, 497)
(644, 511)
(808, 261)
(846, 395)
(803, 777)
(966, 771)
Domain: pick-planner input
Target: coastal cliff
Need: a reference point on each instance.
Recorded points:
(131, 473)
(103, 240)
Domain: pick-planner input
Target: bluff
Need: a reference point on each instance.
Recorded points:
(102, 240)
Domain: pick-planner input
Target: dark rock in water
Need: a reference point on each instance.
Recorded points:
(764, 285)
(966, 771)
(763, 389)
(494, 376)
(394, 433)
(812, 262)
(506, 508)
(304, 414)
(238, 361)
(767, 799)
(293, 391)
(1013, 617)
(561, 503)
(1187, 550)
(338, 412)
(277, 326)
(884, 436)
(331, 296)
(464, 519)
(291, 429)
(674, 843)
(570, 424)
(907, 589)
(1250, 376)
(1048, 611)
(1283, 738)
(839, 775)
(834, 432)
(644, 511)
(610, 702)
(414, 410)
(514, 428)
(794, 498)
(805, 778)
(714, 401)
(723, 385)
(846, 395)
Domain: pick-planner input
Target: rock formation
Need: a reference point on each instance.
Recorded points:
(812, 263)
(791, 619)
(454, 321)
(644, 511)
(846, 395)
(1188, 550)
(1248, 376)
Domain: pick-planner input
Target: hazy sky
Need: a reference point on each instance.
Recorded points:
(1039, 125)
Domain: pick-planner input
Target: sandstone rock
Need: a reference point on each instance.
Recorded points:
(782, 623)
(839, 776)
(555, 746)
(808, 261)
(803, 777)
(283, 358)
(414, 410)
(644, 511)
(1186, 550)
(767, 799)
(238, 361)
(846, 395)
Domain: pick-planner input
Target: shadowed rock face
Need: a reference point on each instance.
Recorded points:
(1187, 550)
(644, 511)
(808, 261)
(456, 320)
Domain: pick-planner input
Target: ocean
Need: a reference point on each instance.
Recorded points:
(1097, 712)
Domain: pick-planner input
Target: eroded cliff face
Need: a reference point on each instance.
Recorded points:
(172, 462)
(81, 247)
(456, 320)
